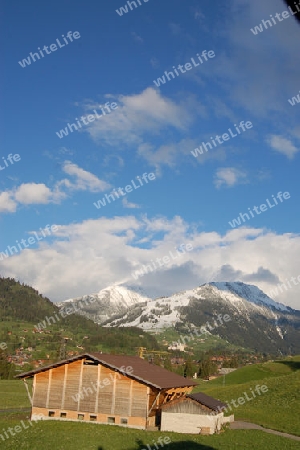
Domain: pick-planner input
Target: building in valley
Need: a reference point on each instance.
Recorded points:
(103, 388)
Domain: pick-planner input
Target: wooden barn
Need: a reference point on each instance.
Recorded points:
(103, 388)
(194, 413)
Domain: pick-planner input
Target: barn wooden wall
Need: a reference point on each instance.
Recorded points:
(115, 395)
(187, 407)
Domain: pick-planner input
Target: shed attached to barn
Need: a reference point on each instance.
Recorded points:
(195, 413)
(103, 388)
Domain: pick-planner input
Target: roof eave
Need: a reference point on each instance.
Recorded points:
(95, 358)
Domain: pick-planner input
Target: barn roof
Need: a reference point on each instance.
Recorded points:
(142, 370)
(201, 399)
(208, 401)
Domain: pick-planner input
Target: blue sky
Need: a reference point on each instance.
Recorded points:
(152, 130)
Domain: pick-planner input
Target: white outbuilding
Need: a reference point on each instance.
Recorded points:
(195, 413)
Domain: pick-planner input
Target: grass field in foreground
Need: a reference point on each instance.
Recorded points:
(57, 435)
(13, 394)
(278, 408)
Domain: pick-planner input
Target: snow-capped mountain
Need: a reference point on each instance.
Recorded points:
(256, 321)
(109, 302)
(249, 292)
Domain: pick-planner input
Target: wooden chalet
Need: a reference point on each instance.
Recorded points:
(104, 388)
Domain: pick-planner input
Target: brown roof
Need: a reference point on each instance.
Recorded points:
(206, 400)
(202, 399)
(142, 370)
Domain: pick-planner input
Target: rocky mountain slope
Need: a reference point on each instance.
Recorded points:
(109, 302)
(256, 321)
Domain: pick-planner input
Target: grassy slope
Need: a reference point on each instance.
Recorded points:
(210, 341)
(13, 395)
(73, 436)
(271, 409)
(277, 408)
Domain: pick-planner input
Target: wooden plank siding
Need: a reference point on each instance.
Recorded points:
(88, 384)
(187, 406)
(41, 389)
(139, 400)
(72, 385)
(105, 396)
(56, 386)
(89, 390)
(122, 396)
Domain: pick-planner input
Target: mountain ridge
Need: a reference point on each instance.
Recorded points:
(257, 321)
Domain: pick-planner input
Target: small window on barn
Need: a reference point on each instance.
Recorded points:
(80, 417)
(63, 415)
(93, 418)
(111, 420)
(51, 413)
(90, 362)
(124, 421)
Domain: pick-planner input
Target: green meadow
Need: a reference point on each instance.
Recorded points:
(84, 436)
(278, 409)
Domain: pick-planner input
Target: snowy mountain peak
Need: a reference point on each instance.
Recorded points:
(121, 295)
(113, 300)
(115, 294)
(248, 292)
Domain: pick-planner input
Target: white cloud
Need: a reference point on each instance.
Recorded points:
(167, 154)
(84, 180)
(243, 74)
(142, 118)
(129, 205)
(282, 145)
(250, 254)
(7, 204)
(39, 193)
(138, 116)
(229, 176)
(33, 193)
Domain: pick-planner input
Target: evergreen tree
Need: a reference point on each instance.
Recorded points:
(7, 370)
(188, 368)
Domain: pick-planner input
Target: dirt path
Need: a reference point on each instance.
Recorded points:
(239, 425)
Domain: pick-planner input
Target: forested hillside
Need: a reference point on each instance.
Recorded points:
(22, 308)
